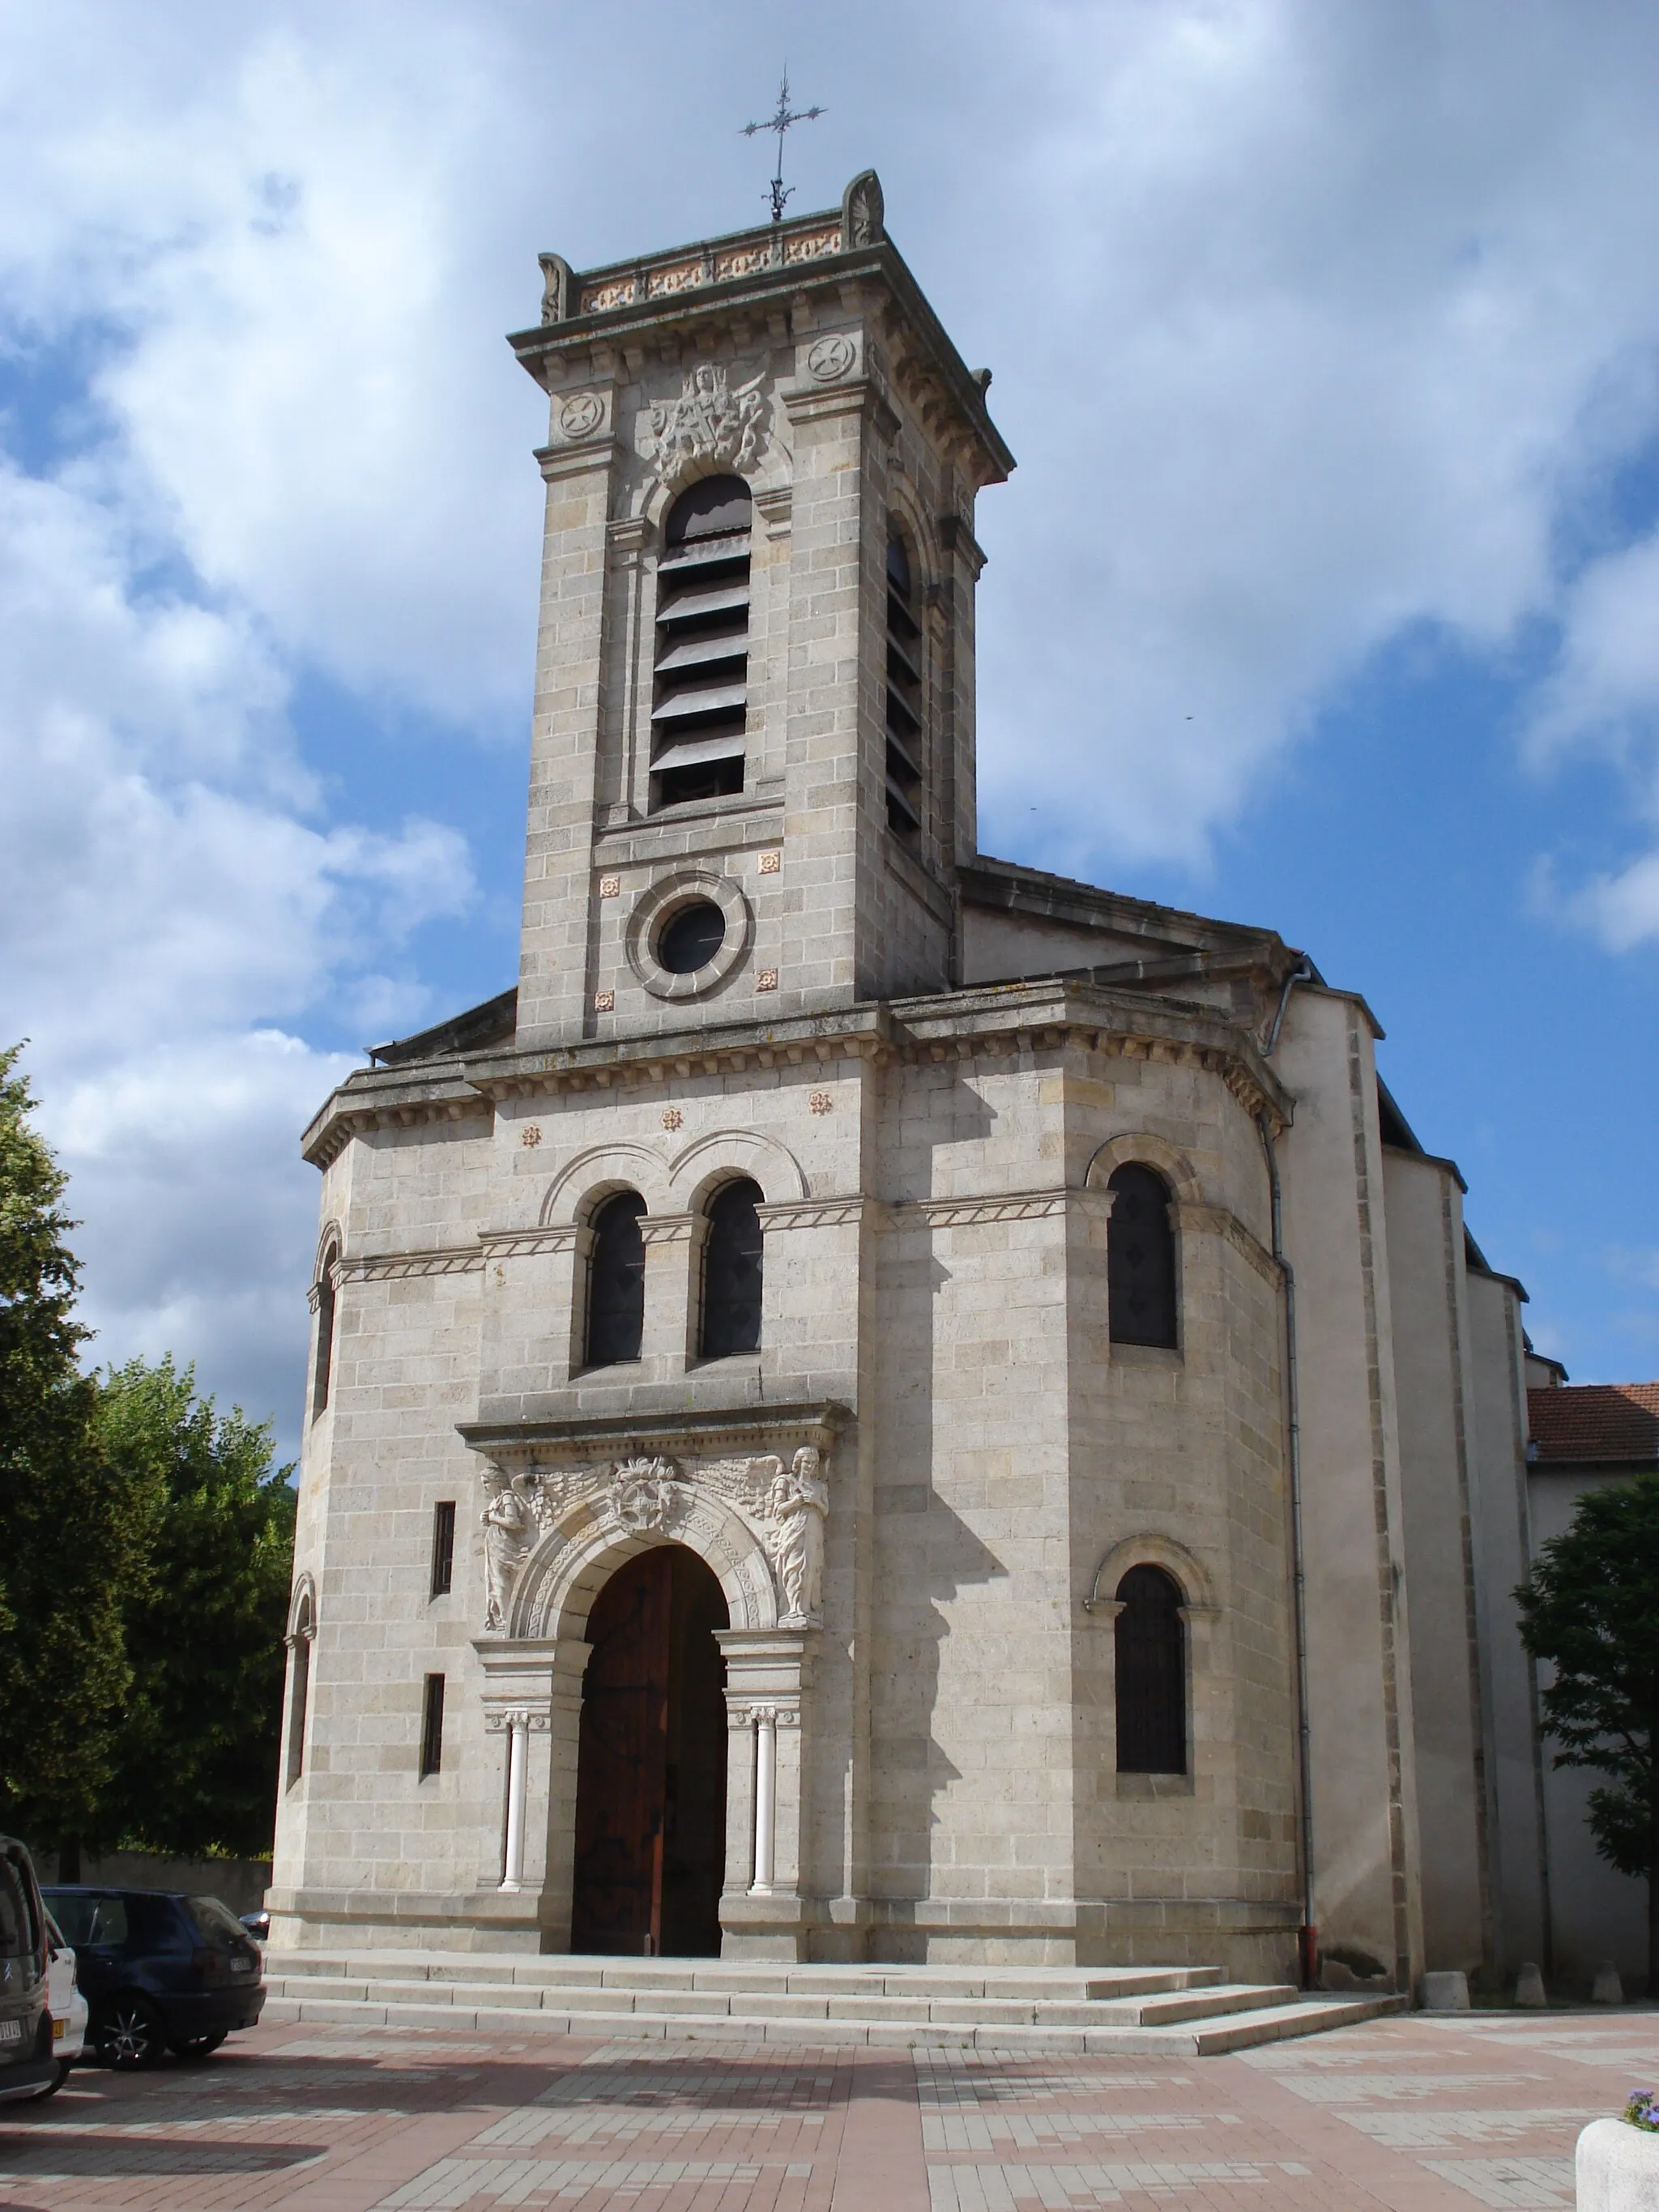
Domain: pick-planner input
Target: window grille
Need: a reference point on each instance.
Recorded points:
(443, 1547)
(701, 701)
(432, 1727)
(731, 1272)
(1151, 1650)
(615, 1282)
(1141, 1270)
(322, 1374)
(904, 695)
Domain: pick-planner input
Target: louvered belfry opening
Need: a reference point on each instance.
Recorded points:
(700, 701)
(1151, 1655)
(904, 695)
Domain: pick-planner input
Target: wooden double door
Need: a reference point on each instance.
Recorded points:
(651, 1763)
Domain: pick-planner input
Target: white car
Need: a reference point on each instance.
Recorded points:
(65, 2001)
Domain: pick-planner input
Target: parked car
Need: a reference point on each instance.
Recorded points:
(68, 2008)
(27, 2065)
(257, 1925)
(161, 1971)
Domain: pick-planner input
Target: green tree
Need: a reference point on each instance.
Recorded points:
(73, 1533)
(1591, 1608)
(197, 1765)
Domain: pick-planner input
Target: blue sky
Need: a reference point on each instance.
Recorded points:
(1323, 597)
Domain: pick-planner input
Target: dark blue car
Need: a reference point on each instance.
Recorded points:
(159, 1970)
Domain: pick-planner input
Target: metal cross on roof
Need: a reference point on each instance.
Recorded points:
(779, 122)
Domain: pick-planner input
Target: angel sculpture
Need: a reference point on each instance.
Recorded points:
(799, 1502)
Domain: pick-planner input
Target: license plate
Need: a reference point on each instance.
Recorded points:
(11, 2031)
(242, 1966)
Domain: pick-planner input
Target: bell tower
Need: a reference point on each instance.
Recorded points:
(752, 754)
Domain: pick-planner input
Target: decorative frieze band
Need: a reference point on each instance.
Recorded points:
(965, 1213)
(397, 1266)
(519, 1243)
(816, 1212)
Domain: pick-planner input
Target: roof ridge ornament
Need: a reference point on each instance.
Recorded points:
(780, 122)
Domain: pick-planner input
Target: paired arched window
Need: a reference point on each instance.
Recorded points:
(701, 700)
(323, 1371)
(615, 1282)
(731, 1272)
(1150, 1654)
(904, 695)
(1140, 1261)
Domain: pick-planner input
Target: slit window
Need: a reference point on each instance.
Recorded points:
(323, 1372)
(1140, 1266)
(700, 696)
(616, 1281)
(443, 1547)
(731, 1272)
(1150, 1657)
(432, 1727)
(904, 695)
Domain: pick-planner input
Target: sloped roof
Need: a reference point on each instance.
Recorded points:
(1595, 1422)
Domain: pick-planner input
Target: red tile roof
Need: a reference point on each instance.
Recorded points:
(1594, 1421)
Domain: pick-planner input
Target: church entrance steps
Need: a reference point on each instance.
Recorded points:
(1183, 2010)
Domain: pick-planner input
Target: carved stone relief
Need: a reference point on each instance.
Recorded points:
(711, 421)
(783, 1507)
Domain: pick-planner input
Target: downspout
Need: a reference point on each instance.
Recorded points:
(1301, 973)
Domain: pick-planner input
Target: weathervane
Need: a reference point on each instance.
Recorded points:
(779, 122)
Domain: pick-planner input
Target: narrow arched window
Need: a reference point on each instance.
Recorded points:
(299, 1685)
(699, 704)
(616, 1281)
(1152, 1674)
(731, 1272)
(1140, 1269)
(904, 695)
(323, 1371)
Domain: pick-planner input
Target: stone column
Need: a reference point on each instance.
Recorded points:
(528, 1702)
(768, 1679)
(673, 1249)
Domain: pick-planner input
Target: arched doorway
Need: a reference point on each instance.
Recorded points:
(651, 1763)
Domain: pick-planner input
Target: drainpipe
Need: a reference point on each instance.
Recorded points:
(1301, 973)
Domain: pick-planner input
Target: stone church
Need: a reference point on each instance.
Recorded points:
(881, 1405)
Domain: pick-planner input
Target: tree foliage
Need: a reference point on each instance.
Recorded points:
(73, 1536)
(197, 1769)
(145, 1550)
(1591, 1608)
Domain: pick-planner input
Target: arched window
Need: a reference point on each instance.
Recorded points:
(731, 1272)
(300, 1638)
(1152, 1674)
(904, 695)
(616, 1281)
(1140, 1270)
(701, 702)
(323, 1372)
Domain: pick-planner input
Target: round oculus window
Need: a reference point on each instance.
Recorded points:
(690, 937)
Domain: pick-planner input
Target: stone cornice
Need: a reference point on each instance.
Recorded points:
(983, 1022)
(765, 280)
(643, 1435)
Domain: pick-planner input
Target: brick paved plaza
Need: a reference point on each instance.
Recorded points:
(1421, 2113)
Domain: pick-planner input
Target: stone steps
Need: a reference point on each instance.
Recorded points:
(1179, 2010)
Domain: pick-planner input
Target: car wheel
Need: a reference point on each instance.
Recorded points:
(130, 2034)
(198, 2046)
